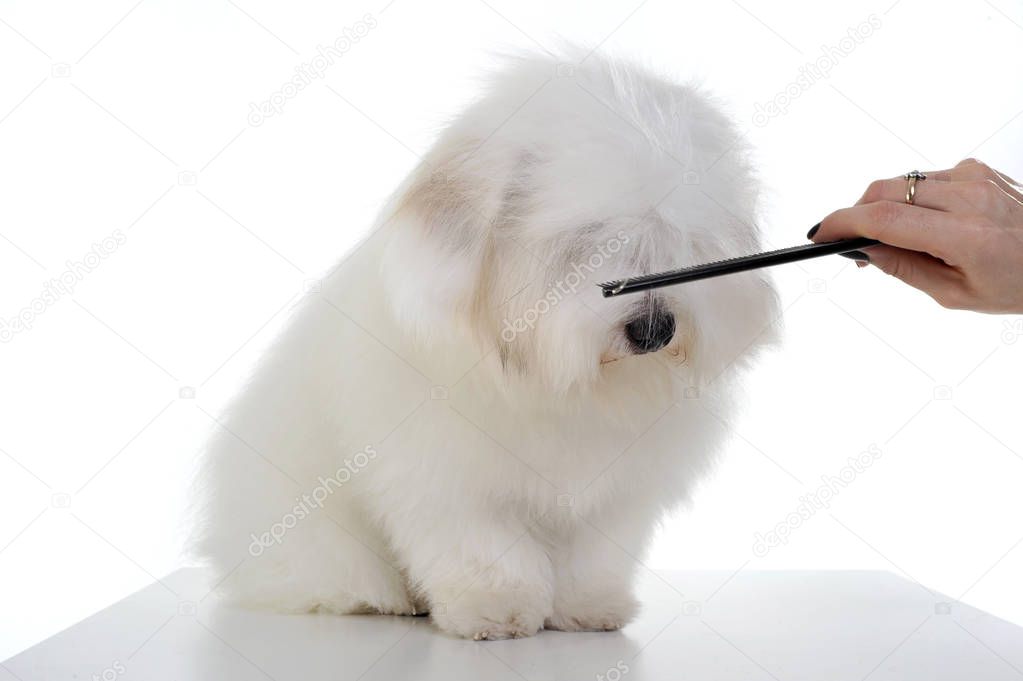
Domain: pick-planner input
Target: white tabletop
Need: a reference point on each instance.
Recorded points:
(694, 625)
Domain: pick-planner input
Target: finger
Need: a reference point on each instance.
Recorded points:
(930, 193)
(921, 271)
(1013, 186)
(898, 224)
(972, 169)
(935, 192)
(976, 195)
(966, 162)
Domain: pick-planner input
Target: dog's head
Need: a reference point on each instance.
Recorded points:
(556, 180)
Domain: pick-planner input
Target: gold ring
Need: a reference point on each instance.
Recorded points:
(911, 178)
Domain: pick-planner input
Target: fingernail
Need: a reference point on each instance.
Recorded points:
(856, 255)
(813, 230)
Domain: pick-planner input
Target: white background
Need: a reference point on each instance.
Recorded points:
(132, 116)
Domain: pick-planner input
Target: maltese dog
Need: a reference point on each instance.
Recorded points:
(455, 422)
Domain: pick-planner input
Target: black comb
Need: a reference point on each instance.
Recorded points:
(732, 265)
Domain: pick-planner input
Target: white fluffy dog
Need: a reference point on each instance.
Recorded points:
(456, 421)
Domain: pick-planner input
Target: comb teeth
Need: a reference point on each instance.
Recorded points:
(613, 287)
(616, 285)
(732, 265)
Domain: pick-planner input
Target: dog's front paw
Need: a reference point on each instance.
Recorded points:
(490, 615)
(605, 612)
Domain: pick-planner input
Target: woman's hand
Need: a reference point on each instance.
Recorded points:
(961, 242)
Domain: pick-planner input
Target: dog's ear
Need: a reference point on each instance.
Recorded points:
(444, 224)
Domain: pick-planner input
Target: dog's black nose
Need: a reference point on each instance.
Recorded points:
(651, 332)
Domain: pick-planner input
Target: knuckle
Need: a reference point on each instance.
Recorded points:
(875, 191)
(983, 192)
(973, 169)
(884, 213)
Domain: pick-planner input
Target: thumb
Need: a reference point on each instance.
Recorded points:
(920, 270)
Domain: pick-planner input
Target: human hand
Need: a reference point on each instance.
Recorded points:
(960, 242)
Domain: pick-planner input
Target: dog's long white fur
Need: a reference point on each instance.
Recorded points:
(455, 422)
